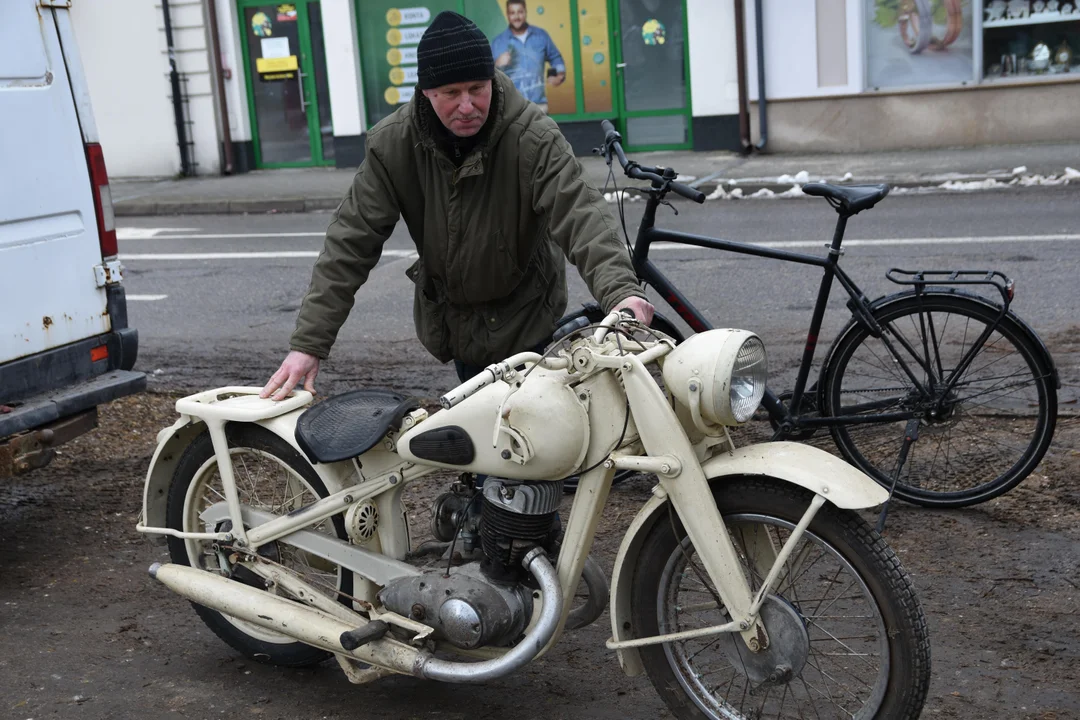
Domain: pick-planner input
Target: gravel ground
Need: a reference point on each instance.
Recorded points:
(87, 634)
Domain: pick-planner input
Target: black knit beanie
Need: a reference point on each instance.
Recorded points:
(453, 50)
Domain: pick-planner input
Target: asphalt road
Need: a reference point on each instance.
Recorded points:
(208, 289)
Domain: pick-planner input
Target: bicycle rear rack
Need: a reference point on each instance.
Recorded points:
(921, 278)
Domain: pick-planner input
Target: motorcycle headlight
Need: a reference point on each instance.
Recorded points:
(722, 371)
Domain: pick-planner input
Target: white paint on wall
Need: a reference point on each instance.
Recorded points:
(127, 72)
(232, 64)
(791, 54)
(714, 78)
(343, 66)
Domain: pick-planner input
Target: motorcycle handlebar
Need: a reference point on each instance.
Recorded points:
(613, 144)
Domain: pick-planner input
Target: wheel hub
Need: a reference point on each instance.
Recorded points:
(788, 648)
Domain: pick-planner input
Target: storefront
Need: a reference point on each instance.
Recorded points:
(890, 74)
(584, 60)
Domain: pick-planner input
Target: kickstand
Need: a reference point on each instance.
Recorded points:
(911, 434)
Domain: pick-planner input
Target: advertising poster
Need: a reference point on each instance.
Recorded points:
(389, 34)
(532, 42)
(918, 42)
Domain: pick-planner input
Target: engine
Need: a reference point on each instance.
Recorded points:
(483, 603)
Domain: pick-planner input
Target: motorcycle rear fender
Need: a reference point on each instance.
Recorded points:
(802, 465)
(174, 440)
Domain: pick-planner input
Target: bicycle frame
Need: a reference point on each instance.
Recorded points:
(789, 417)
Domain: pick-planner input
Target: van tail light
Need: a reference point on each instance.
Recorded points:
(103, 206)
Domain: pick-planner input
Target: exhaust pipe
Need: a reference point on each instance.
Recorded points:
(316, 628)
(536, 562)
(287, 617)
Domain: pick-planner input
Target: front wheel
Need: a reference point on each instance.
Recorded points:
(987, 410)
(270, 475)
(847, 635)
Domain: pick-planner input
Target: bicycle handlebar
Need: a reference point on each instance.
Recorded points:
(613, 144)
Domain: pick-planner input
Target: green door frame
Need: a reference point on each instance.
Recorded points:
(307, 85)
(615, 25)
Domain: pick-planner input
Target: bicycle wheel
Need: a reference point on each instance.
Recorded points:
(847, 635)
(594, 314)
(980, 435)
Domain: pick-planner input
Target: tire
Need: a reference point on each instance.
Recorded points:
(995, 425)
(594, 314)
(916, 25)
(873, 609)
(271, 475)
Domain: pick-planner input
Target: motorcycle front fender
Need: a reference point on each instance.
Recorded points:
(802, 465)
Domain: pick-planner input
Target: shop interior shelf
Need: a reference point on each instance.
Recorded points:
(1033, 19)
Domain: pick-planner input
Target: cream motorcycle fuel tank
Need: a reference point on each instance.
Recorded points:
(543, 432)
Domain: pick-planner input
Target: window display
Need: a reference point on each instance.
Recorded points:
(1030, 38)
(918, 42)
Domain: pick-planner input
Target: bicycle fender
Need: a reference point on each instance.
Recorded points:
(802, 465)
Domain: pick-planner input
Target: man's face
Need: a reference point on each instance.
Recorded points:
(462, 107)
(517, 15)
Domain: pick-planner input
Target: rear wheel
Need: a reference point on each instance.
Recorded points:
(977, 439)
(270, 475)
(847, 636)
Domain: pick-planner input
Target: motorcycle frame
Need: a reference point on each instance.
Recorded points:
(668, 451)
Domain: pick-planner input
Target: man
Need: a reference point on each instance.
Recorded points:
(521, 52)
(493, 198)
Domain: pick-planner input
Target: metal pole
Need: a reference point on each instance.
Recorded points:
(740, 65)
(763, 120)
(219, 85)
(177, 101)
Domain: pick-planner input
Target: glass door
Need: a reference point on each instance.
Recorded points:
(653, 74)
(288, 95)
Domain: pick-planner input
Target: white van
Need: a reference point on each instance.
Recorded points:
(65, 346)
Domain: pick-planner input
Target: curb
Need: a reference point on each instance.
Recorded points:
(213, 206)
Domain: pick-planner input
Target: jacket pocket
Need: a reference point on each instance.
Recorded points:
(489, 268)
(429, 313)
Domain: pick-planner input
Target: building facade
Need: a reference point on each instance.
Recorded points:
(858, 75)
(278, 85)
(299, 84)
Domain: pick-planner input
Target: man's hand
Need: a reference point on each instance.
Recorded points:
(556, 80)
(503, 60)
(642, 308)
(297, 366)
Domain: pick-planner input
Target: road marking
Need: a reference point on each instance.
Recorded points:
(304, 254)
(288, 254)
(147, 233)
(146, 298)
(141, 233)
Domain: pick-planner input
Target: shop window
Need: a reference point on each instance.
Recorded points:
(918, 42)
(1030, 39)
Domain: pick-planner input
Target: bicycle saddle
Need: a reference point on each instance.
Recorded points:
(349, 425)
(848, 199)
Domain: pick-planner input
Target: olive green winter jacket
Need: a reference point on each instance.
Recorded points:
(491, 234)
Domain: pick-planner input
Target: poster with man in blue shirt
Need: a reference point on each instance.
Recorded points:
(522, 51)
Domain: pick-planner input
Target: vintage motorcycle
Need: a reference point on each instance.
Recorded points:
(747, 586)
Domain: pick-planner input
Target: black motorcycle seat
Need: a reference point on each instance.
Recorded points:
(350, 424)
(848, 199)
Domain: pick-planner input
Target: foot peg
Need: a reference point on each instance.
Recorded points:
(353, 639)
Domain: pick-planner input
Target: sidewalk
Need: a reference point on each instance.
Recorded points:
(305, 190)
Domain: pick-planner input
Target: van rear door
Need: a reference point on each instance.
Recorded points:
(50, 253)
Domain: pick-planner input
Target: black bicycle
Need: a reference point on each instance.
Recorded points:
(979, 381)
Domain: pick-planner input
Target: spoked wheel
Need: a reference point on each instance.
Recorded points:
(916, 24)
(270, 475)
(594, 314)
(847, 637)
(979, 435)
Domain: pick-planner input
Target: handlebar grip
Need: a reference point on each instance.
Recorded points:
(608, 129)
(688, 192)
